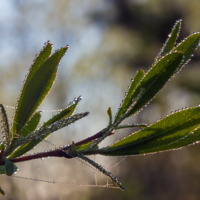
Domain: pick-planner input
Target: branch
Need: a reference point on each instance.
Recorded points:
(56, 153)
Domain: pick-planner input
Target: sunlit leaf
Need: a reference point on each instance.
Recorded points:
(85, 146)
(46, 130)
(171, 131)
(67, 112)
(155, 79)
(39, 60)
(28, 129)
(188, 46)
(36, 88)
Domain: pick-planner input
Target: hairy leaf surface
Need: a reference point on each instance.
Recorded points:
(155, 79)
(171, 40)
(36, 87)
(129, 96)
(174, 131)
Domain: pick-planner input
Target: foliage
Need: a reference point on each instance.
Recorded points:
(174, 131)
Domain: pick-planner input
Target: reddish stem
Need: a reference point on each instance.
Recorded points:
(55, 153)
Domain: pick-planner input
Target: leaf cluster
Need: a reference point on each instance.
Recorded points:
(174, 131)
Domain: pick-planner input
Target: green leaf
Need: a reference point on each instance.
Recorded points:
(131, 126)
(39, 60)
(10, 167)
(129, 96)
(36, 87)
(3, 168)
(109, 112)
(67, 112)
(155, 79)
(31, 125)
(2, 145)
(171, 40)
(30, 141)
(83, 147)
(21, 150)
(189, 139)
(28, 129)
(5, 127)
(174, 131)
(188, 46)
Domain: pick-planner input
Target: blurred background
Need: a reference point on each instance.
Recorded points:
(109, 41)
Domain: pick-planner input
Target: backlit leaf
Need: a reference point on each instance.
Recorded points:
(171, 40)
(36, 87)
(155, 79)
(188, 46)
(41, 134)
(174, 131)
(67, 112)
(31, 125)
(129, 96)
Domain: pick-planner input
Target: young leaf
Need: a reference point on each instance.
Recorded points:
(36, 88)
(129, 96)
(155, 79)
(109, 112)
(171, 40)
(171, 131)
